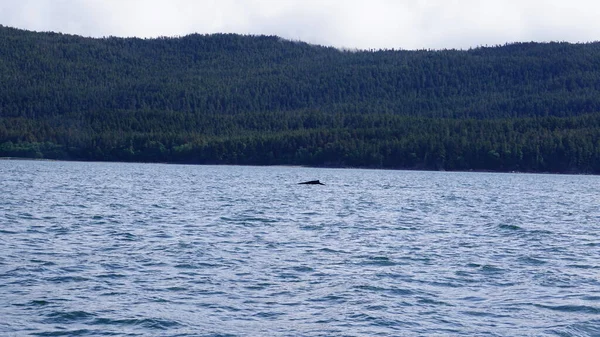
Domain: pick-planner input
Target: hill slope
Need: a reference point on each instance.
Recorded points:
(228, 98)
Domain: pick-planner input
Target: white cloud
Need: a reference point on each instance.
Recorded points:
(407, 24)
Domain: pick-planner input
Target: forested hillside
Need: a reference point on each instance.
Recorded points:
(232, 99)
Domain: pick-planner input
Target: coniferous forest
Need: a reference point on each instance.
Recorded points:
(263, 100)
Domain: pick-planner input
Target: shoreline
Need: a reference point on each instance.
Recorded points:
(301, 166)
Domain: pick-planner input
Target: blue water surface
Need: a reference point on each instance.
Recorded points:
(113, 249)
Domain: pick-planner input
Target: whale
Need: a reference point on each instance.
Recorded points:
(312, 182)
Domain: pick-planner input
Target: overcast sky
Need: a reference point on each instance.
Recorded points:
(362, 24)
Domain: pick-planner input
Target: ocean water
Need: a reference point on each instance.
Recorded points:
(113, 249)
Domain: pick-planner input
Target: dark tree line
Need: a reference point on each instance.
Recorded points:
(233, 99)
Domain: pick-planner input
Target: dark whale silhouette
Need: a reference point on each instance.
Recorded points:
(312, 182)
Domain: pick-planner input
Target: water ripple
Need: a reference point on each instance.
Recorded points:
(99, 249)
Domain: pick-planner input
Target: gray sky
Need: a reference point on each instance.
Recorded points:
(363, 24)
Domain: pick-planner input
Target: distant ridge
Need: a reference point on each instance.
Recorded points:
(239, 99)
(55, 73)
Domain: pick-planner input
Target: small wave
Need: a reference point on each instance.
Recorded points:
(376, 307)
(378, 321)
(68, 317)
(27, 216)
(424, 300)
(330, 298)
(540, 232)
(4, 231)
(582, 266)
(378, 261)
(111, 276)
(64, 279)
(33, 303)
(258, 286)
(78, 332)
(148, 323)
(186, 266)
(329, 250)
(303, 269)
(376, 289)
(39, 303)
(197, 265)
(528, 260)
(591, 328)
(447, 284)
(42, 262)
(509, 227)
(315, 227)
(268, 315)
(405, 228)
(571, 308)
(59, 230)
(125, 236)
(483, 314)
(113, 293)
(453, 197)
(491, 269)
(177, 289)
(289, 277)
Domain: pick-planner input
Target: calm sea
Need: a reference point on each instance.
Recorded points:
(110, 249)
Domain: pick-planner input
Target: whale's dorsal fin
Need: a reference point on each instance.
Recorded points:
(312, 182)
